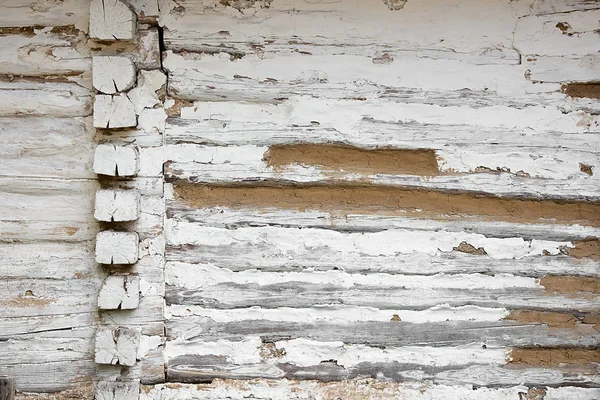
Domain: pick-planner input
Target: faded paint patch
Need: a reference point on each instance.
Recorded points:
(574, 285)
(552, 357)
(388, 200)
(353, 159)
(586, 90)
(552, 319)
(28, 300)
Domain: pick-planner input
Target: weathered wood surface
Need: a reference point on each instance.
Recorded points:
(352, 389)
(258, 96)
(289, 257)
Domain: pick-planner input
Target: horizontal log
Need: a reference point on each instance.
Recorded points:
(287, 249)
(20, 13)
(558, 34)
(51, 376)
(267, 124)
(221, 288)
(331, 361)
(38, 98)
(391, 333)
(41, 209)
(220, 217)
(286, 26)
(52, 147)
(443, 83)
(250, 164)
(64, 51)
(347, 198)
(373, 389)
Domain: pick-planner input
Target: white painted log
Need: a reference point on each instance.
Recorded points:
(114, 160)
(117, 247)
(114, 111)
(111, 20)
(25, 97)
(51, 147)
(117, 345)
(238, 163)
(116, 390)
(119, 292)
(112, 74)
(369, 388)
(117, 205)
(22, 13)
(353, 28)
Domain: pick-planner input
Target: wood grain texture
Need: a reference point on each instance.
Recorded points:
(292, 251)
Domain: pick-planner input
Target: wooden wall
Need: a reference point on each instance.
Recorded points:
(339, 200)
(396, 191)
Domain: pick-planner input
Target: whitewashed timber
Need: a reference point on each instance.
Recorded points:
(245, 297)
(115, 160)
(119, 292)
(112, 74)
(117, 346)
(111, 20)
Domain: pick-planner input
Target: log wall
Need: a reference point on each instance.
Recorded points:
(353, 199)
